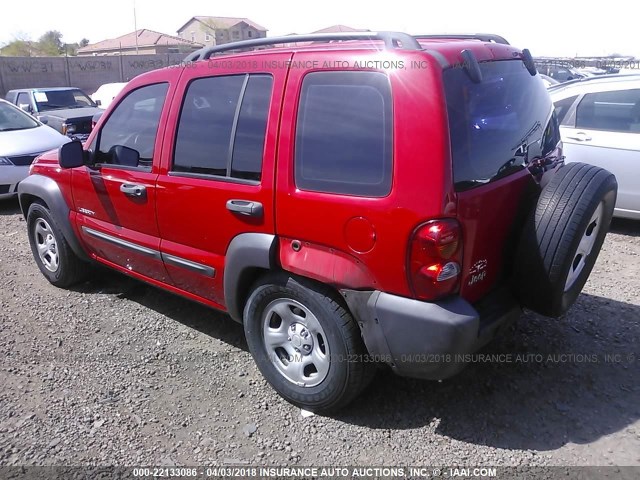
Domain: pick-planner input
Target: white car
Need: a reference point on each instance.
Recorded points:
(22, 139)
(106, 93)
(600, 125)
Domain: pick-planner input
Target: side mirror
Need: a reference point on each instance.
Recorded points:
(43, 119)
(25, 107)
(71, 155)
(98, 102)
(124, 156)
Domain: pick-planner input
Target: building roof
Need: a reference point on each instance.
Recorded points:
(145, 37)
(340, 28)
(223, 22)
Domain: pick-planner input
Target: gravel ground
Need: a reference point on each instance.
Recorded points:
(115, 372)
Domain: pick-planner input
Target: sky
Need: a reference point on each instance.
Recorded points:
(546, 27)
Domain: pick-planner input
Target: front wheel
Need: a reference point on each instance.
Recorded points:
(53, 255)
(305, 343)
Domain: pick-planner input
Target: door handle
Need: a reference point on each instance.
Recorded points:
(245, 207)
(579, 136)
(133, 190)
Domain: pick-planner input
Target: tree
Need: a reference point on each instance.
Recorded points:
(51, 43)
(18, 48)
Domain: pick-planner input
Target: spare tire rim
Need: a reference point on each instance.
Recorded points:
(46, 245)
(295, 342)
(585, 247)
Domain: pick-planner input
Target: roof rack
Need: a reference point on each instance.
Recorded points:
(391, 40)
(484, 37)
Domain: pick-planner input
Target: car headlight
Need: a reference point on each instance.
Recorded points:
(68, 128)
(5, 161)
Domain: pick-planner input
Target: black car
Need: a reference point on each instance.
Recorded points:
(66, 109)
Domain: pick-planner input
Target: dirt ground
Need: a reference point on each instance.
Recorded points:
(115, 372)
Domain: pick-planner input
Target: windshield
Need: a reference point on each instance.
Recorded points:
(12, 118)
(56, 99)
(497, 125)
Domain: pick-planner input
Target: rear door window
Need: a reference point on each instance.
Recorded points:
(222, 127)
(344, 134)
(498, 125)
(617, 111)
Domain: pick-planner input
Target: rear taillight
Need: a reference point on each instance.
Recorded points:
(435, 255)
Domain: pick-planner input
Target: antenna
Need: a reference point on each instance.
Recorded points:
(135, 24)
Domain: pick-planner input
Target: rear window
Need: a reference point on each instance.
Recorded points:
(497, 125)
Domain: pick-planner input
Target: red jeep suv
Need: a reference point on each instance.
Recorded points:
(353, 200)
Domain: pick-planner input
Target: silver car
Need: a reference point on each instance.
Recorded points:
(22, 138)
(600, 125)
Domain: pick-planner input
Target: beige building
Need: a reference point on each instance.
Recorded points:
(211, 31)
(143, 42)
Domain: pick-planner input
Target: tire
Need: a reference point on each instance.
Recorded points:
(53, 255)
(563, 236)
(329, 367)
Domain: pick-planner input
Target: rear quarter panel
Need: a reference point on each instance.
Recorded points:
(326, 223)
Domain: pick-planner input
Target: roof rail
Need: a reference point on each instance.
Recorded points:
(391, 40)
(484, 37)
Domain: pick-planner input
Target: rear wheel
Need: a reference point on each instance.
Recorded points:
(563, 237)
(305, 343)
(53, 255)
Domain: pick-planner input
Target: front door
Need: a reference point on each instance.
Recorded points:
(115, 196)
(217, 174)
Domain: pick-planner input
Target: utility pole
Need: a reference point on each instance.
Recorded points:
(135, 24)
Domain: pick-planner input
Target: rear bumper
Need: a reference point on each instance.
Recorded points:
(428, 340)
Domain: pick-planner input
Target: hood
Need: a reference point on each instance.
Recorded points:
(30, 141)
(72, 113)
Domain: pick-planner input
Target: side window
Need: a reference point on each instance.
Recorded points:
(81, 99)
(344, 134)
(562, 107)
(129, 135)
(617, 111)
(222, 127)
(23, 99)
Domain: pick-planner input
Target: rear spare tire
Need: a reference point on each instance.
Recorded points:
(563, 236)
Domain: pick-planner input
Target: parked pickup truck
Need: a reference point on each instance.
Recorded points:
(66, 109)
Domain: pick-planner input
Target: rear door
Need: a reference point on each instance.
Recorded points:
(218, 168)
(496, 127)
(115, 197)
(604, 130)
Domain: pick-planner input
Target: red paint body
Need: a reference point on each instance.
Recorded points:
(186, 217)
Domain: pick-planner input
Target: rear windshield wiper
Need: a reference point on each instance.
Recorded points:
(507, 168)
(469, 184)
(522, 142)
